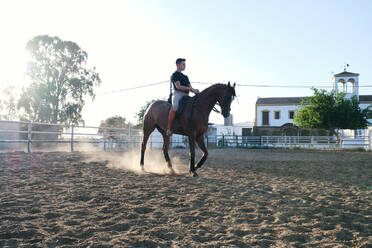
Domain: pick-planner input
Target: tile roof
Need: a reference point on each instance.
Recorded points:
(279, 100)
(346, 74)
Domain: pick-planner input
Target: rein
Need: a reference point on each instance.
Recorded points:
(216, 110)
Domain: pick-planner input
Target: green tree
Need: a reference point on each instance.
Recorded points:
(142, 112)
(326, 110)
(60, 80)
(115, 122)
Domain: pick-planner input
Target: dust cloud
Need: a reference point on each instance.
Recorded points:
(130, 161)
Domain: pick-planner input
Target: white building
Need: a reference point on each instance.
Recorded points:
(276, 111)
(230, 128)
(279, 111)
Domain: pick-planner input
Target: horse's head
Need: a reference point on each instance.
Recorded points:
(226, 98)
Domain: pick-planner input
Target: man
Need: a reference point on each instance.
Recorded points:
(182, 87)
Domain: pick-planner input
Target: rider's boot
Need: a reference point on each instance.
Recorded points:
(171, 116)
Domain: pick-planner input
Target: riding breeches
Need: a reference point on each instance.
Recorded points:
(176, 99)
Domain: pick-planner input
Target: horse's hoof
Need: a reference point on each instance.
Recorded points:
(194, 174)
(172, 171)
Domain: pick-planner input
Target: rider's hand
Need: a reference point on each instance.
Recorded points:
(195, 91)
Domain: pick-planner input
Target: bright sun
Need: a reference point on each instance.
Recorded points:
(14, 62)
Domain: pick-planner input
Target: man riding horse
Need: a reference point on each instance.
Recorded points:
(182, 87)
(193, 122)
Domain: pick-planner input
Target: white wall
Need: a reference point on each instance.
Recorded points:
(230, 130)
(238, 127)
(224, 130)
(284, 114)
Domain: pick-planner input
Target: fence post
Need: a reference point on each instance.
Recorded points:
(104, 139)
(72, 137)
(29, 136)
(207, 140)
(223, 140)
(130, 136)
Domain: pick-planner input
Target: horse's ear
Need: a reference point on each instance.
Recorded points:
(228, 83)
(234, 85)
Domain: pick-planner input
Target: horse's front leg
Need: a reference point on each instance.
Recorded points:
(192, 156)
(201, 144)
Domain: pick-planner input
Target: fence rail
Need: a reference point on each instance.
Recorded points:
(293, 141)
(15, 132)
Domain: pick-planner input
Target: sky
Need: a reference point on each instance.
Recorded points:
(133, 43)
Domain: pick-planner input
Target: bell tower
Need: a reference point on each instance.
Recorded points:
(346, 82)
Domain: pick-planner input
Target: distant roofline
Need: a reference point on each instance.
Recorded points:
(346, 73)
(272, 101)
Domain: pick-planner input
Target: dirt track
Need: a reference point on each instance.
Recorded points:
(245, 198)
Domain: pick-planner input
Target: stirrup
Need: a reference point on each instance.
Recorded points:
(169, 132)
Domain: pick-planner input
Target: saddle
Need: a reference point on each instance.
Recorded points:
(181, 108)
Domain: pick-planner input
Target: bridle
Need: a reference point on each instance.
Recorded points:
(224, 108)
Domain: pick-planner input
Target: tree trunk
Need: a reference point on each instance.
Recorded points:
(55, 112)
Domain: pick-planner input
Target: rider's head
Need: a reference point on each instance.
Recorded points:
(181, 65)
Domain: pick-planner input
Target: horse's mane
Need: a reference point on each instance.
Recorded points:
(212, 87)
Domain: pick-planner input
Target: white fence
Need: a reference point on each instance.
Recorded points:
(316, 142)
(17, 135)
(19, 132)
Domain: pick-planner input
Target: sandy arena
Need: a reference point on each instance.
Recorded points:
(245, 198)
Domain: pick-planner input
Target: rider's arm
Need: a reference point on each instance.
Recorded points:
(196, 91)
(183, 88)
(193, 90)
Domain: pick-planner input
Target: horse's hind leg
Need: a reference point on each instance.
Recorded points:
(166, 141)
(201, 144)
(192, 156)
(147, 130)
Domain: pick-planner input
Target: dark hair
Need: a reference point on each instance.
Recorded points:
(179, 60)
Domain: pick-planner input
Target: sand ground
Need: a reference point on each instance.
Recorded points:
(245, 198)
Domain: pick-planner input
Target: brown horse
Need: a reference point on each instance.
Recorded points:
(192, 123)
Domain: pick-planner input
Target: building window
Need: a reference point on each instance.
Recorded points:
(291, 114)
(277, 115)
(265, 118)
